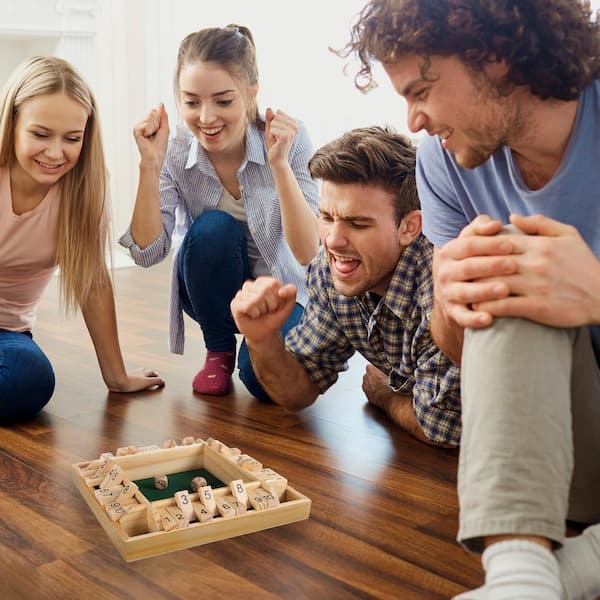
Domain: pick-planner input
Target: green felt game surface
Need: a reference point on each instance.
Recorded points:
(177, 482)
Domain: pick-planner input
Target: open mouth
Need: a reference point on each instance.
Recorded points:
(48, 166)
(344, 265)
(211, 131)
(445, 135)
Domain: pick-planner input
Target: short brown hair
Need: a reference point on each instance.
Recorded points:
(375, 156)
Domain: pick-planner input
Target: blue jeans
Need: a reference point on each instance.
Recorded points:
(26, 376)
(212, 266)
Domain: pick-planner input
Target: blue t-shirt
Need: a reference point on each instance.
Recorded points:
(451, 197)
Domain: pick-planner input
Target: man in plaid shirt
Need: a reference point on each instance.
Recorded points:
(370, 291)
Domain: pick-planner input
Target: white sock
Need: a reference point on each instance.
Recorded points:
(579, 561)
(478, 594)
(517, 570)
(520, 569)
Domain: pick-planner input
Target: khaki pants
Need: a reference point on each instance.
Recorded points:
(530, 446)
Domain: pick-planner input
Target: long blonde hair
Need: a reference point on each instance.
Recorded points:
(82, 193)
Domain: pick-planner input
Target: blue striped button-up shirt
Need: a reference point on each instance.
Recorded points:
(190, 185)
(391, 332)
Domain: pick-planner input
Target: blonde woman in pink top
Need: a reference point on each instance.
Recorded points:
(53, 212)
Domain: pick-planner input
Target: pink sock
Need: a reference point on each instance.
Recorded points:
(215, 378)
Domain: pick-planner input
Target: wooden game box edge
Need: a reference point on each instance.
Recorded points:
(196, 534)
(112, 531)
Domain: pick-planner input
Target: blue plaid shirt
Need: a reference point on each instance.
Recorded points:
(391, 332)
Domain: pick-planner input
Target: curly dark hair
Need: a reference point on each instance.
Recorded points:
(375, 156)
(552, 46)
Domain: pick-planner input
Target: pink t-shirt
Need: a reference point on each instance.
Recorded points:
(28, 245)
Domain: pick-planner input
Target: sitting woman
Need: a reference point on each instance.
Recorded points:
(53, 211)
(236, 185)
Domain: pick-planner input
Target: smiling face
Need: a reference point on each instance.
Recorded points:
(48, 137)
(214, 107)
(357, 226)
(463, 109)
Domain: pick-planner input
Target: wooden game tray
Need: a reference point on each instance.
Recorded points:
(131, 532)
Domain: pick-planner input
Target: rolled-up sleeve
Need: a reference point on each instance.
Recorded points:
(300, 154)
(436, 396)
(318, 342)
(159, 248)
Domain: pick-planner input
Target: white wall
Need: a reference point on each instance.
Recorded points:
(133, 56)
(134, 48)
(297, 72)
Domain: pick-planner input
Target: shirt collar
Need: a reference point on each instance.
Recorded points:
(255, 145)
(255, 150)
(412, 272)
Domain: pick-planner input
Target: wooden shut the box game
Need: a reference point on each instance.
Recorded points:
(152, 500)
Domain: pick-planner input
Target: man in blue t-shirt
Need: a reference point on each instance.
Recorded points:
(509, 183)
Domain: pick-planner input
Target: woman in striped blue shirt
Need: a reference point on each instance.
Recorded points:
(235, 185)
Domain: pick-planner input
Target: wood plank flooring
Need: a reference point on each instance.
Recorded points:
(384, 506)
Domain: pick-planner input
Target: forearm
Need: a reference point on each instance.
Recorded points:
(447, 335)
(401, 412)
(100, 318)
(300, 225)
(398, 407)
(281, 375)
(146, 221)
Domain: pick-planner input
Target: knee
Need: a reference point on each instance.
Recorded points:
(248, 376)
(514, 329)
(213, 228)
(214, 238)
(26, 386)
(246, 371)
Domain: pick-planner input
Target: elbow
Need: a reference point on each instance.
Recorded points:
(144, 258)
(423, 437)
(451, 351)
(140, 260)
(433, 438)
(305, 257)
(293, 404)
(296, 406)
(447, 338)
(305, 261)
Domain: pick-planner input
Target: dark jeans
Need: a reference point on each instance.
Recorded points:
(26, 376)
(212, 266)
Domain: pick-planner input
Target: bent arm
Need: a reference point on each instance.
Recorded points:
(289, 151)
(281, 375)
(401, 412)
(446, 333)
(300, 225)
(151, 137)
(146, 221)
(398, 406)
(99, 314)
(260, 309)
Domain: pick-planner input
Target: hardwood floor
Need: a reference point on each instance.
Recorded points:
(384, 507)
